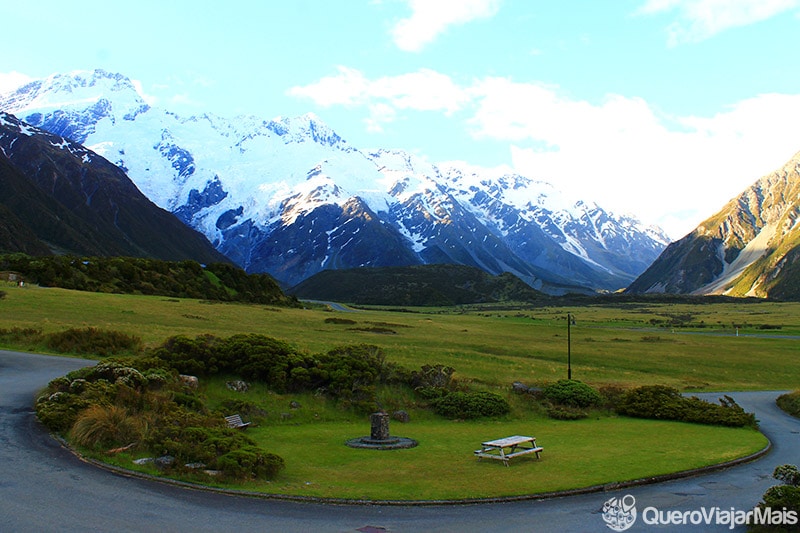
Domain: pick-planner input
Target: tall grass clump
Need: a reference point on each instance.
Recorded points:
(101, 426)
(94, 341)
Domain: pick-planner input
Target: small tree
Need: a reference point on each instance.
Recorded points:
(783, 497)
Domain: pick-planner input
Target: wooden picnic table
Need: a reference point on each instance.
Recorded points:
(516, 445)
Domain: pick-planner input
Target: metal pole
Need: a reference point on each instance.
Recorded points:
(569, 347)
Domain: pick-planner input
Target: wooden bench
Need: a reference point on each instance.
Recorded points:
(517, 445)
(235, 421)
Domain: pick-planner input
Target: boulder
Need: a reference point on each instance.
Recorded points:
(401, 416)
(237, 386)
(190, 381)
(164, 462)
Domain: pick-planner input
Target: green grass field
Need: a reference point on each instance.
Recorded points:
(608, 344)
(693, 348)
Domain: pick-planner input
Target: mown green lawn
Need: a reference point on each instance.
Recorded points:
(576, 454)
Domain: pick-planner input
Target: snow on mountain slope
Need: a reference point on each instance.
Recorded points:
(291, 197)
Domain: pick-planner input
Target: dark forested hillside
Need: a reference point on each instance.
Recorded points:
(442, 284)
(135, 275)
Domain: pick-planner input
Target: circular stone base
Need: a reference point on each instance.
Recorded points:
(392, 443)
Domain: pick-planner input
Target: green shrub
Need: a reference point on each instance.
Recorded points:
(17, 334)
(572, 393)
(666, 403)
(197, 356)
(59, 410)
(434, 376)
(93, 341)
(790, 403)
(783, 498)
(249, 462)
(467, 405)
(611, 395)
(788, 474)
(243, 407)
(188, 401)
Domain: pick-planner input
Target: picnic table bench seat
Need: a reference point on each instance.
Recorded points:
(235, 421)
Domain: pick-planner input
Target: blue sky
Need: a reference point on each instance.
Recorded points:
(661, 108)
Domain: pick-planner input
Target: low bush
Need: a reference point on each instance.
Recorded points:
(666, 403)
(17, 334)
(790, 403)
(783, 498)
(468, 405)
(612, 395)
(250, 461)
(93, 341)
(433, 376)
(343, 321)
(572, 393)
(563, 412)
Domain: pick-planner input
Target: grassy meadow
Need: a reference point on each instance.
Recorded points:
(630, 344)
(690, 347)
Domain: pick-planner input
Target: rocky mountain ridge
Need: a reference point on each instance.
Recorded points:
(60, 197)
(291, 197)
(751, 247)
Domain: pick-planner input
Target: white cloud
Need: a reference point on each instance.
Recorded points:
(148, 98)
(423, 90)
(429, 18)
(12, 80)
(621, 153)
(700, 19)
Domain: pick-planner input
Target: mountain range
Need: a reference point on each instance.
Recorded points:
(59, 197)
(751, 247)
(291, 197)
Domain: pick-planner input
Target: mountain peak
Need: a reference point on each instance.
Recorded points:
(307, 127)
(72, 104)
(751, 247)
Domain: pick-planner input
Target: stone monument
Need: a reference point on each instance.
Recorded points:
(379, 437)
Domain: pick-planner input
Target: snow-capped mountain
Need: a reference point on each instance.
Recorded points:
(59, 197)
(290, 197)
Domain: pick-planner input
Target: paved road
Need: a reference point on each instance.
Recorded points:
(44, 488)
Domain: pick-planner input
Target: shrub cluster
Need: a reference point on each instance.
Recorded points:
(142, 404)
(468, 405)
(662, 402)
(18, 334)
(347, 373)
(790, 403)
(91, 340)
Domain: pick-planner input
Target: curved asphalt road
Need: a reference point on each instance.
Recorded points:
(43, 487)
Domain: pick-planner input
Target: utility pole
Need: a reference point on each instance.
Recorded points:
(570, 321)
